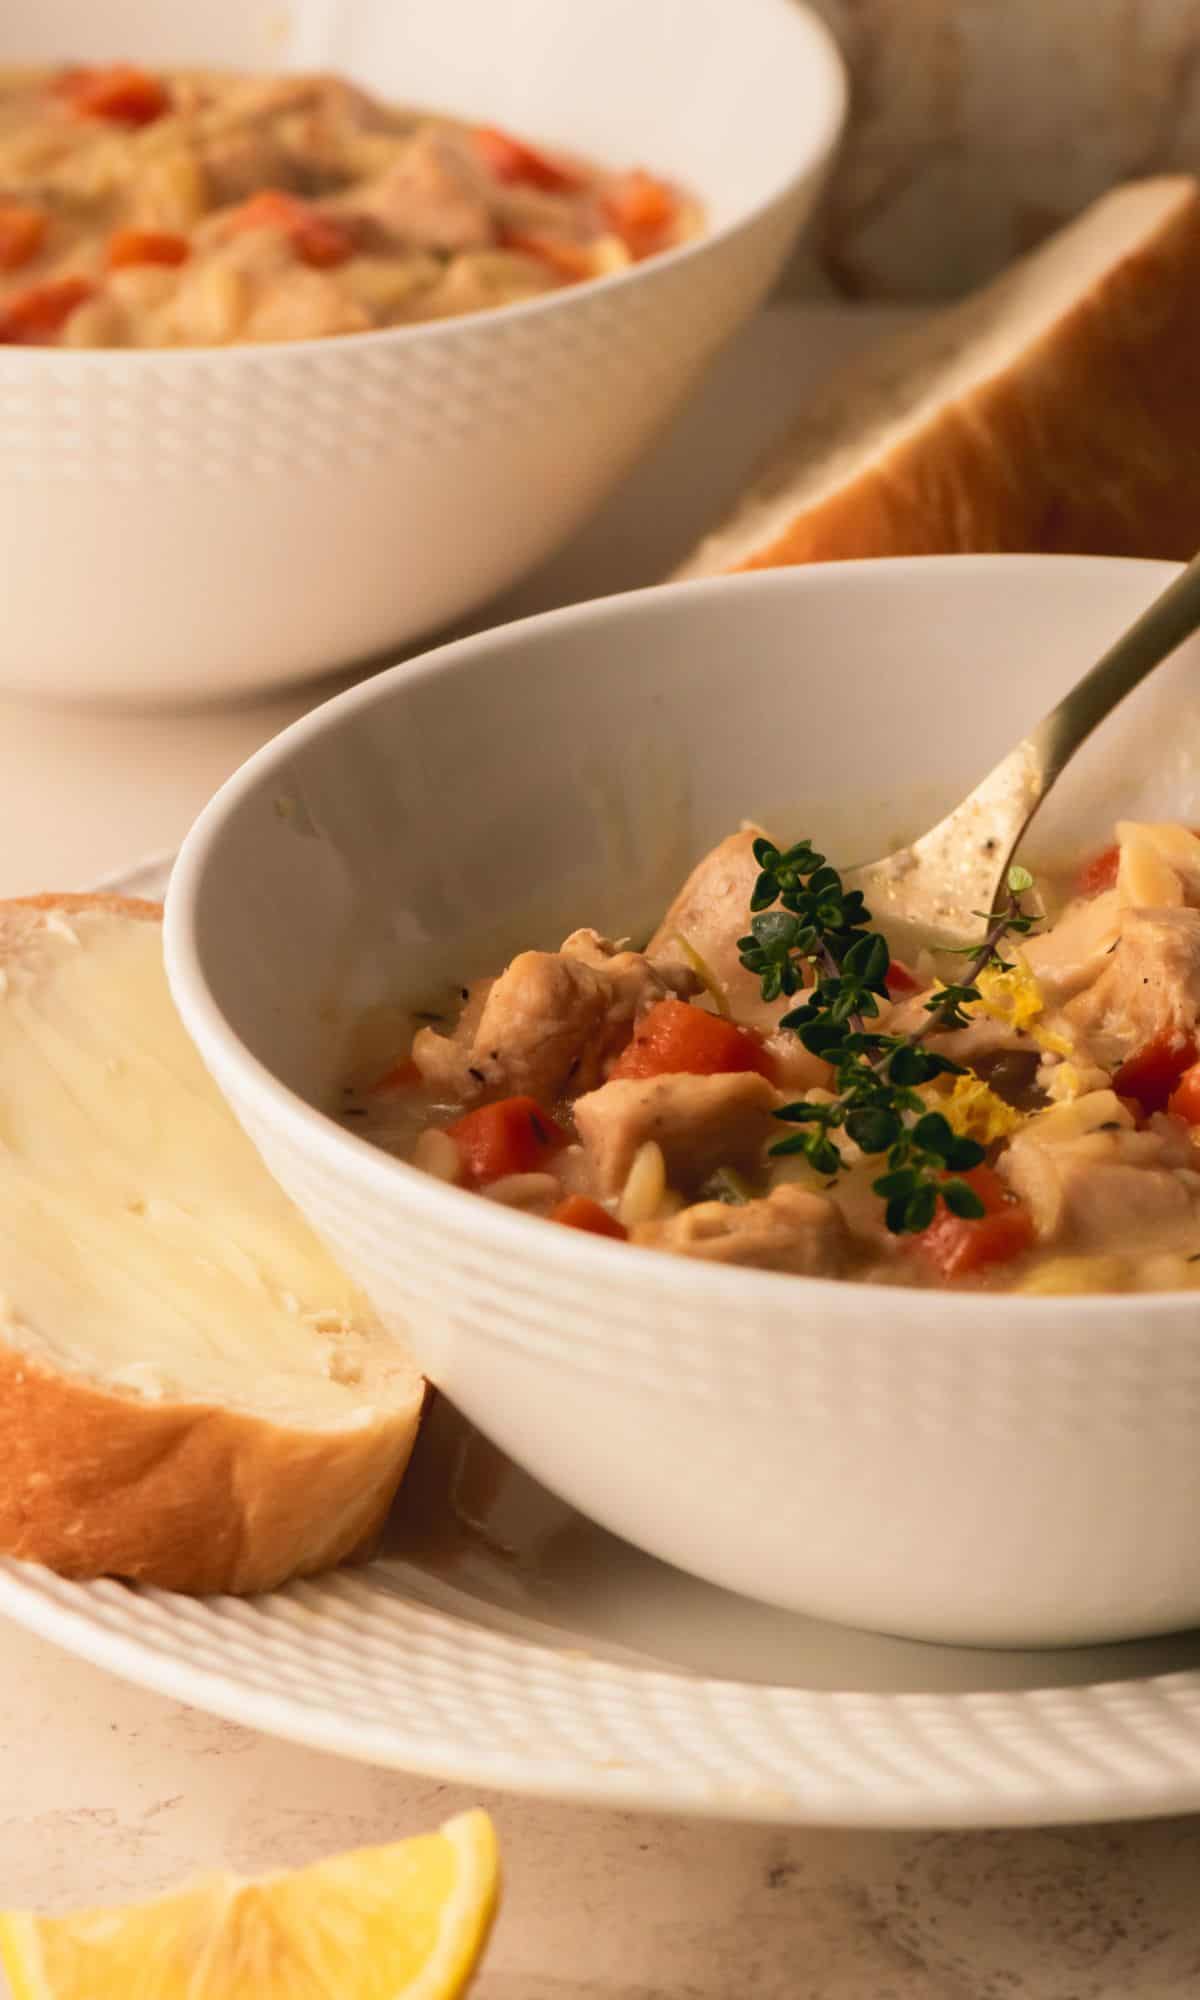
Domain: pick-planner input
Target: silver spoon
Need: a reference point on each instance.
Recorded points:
(941, 883)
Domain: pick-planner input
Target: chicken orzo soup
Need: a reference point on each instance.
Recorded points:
(1026, 1118)
(182, 208)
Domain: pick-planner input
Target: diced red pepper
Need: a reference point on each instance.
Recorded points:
(956, 1245)
(39, 312)
(401, 1076)
(900, 981)
(579, 1211)
(675, 1039)
(317, 239)
(323, 243)
(22, 233)
(514, 1136)
(566, 259)
(127, 95)
(640, 209)
(145, 246)
(512, 160)
(1099, 873)
(1184, 1101)
(1150, 1076)
(270, 208)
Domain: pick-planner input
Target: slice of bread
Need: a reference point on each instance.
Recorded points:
(1057, 410)
(191, 1392)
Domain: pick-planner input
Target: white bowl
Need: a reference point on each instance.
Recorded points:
(201, 522)
(982, 1469)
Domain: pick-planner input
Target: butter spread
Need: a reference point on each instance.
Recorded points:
(143, 1244)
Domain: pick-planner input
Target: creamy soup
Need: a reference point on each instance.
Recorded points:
(643, 1094)
(145, 208)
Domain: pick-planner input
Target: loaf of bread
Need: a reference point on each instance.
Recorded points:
(1056, 410)
(191, 1392)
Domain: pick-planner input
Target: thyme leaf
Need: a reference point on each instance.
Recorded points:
(811, 936)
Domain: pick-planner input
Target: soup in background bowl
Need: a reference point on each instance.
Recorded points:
(195, 208)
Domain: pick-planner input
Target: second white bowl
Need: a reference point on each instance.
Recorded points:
(197, 523)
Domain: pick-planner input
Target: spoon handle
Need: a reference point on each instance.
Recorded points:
(1165, 624)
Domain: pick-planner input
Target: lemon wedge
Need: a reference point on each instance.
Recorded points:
(404, 1922)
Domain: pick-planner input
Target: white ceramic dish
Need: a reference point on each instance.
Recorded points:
(196, 523)
(539, 1654)
(987, 1470)
(1019, 1471)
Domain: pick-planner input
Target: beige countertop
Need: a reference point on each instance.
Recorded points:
(108, 1792)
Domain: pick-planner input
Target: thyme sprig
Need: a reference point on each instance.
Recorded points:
(819, 942)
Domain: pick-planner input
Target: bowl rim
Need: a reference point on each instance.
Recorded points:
(504, 1230)
(821, 56)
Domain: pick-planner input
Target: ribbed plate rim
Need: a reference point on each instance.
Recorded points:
(1048, 1747)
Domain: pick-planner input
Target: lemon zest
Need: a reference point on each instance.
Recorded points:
(974, 1111)
(1013, 996)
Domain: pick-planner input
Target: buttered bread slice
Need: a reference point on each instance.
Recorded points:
(191, 1393)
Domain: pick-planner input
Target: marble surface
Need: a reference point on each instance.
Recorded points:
(108, 1792)
(979, 125)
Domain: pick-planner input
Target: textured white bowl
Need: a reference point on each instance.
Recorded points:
(981, 1469)
(194, 523)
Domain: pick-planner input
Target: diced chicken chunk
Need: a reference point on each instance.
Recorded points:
(542, 1019)
(474, 280)
(795, 1068)
(1159, 864)
(700, 1123)
(1091, 1179)
(791, 1230)
(309, 306)
(429, 199)
(237, 161)
(550, 1022)
(634, 981)
(1071, 953)
(284, 132)
(321, 132)
(1149, 987)
(710, 913)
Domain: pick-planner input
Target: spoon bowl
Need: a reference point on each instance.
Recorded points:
(942, 884)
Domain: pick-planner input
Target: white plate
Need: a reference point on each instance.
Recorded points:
(499, 1639)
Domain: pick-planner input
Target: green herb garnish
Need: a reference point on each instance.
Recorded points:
(819, 941)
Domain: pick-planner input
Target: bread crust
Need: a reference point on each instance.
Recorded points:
(67, 904)
(1087, 442)
(187, 1495)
